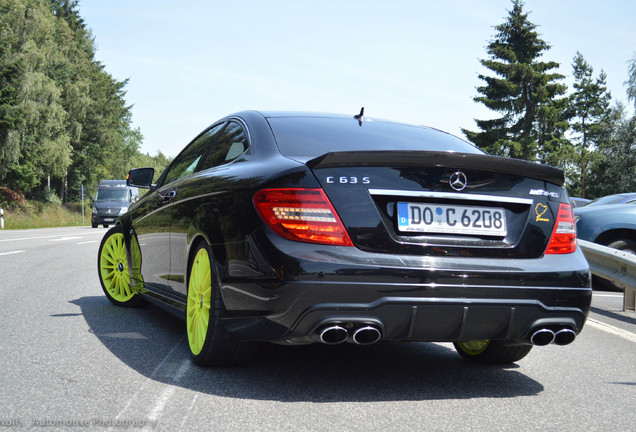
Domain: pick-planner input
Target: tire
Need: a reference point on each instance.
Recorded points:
(491, 352)
(625, 245)
(112, 268)
(94, 225)
(105, 226)
(210, 344)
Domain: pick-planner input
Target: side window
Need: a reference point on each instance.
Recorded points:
(229, 145)
(187, 161)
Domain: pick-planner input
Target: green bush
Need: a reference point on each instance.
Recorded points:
(47, 196)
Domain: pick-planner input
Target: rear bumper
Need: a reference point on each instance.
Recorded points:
(407, 298)
(435, 320)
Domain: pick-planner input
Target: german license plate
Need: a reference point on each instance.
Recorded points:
(451, 219)
(109, 220)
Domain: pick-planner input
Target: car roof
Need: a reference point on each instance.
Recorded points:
(615, 198)
(311, 114)
(112, 183)
(352, 117)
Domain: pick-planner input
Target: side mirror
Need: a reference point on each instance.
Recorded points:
(140, 177)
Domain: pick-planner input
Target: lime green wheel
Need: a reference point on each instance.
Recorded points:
(210, 343)
(200, 288)
(112, 266)
(491, 352)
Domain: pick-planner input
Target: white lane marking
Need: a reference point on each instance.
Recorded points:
(611, 329)
(29, 238)
(135, 397)
(12, 253)
(87, 242)
(165, 396)
(183, 369)
(83, 233)
(188, 412)
(160, 404)
(66, 238)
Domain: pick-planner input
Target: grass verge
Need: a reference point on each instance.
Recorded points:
(41, 215)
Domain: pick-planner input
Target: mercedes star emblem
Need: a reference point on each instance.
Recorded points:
(458, 181)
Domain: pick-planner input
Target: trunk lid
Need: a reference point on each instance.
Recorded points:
(442, 203)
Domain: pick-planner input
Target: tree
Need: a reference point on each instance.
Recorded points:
(61, 114)
(525, 92)
(588, 106)
(37, 142)
(615, 169)
(11, 72)
(631, 80)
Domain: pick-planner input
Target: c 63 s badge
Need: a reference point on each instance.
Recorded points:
(348, 180)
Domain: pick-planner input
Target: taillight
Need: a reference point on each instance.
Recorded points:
(301, 214)
(563, 239)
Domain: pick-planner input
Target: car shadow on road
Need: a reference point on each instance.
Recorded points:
(147, 339)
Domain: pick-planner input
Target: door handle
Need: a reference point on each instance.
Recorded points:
(168, 196)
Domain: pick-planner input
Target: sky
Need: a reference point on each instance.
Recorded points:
(190, 63)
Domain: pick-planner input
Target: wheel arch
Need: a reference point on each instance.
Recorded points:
(215, 250)
(124, 223)
(608, 236)
(192, 249)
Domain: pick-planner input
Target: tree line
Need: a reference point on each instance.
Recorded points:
(537, 120)
(64, 118)
(64, 121)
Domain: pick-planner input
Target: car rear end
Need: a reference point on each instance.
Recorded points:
(414, 235)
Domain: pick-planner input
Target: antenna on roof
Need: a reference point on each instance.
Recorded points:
(360, 117)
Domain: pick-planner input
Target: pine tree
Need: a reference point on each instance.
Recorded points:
(631, 80)
(11, 75)
(615, 169)
(588, 106)
(61, 114)
(525, 92)
(37, 139)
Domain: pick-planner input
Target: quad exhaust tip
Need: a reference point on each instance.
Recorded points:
(333, 335)
(366, 335)
(542, 337)
(564, 337)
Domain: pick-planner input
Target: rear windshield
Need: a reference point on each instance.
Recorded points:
(308, 137)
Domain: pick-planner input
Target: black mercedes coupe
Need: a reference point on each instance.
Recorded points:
(299, 228)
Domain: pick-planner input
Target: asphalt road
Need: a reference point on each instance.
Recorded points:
(69, 359)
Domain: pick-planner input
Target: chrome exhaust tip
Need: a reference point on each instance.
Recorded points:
(333, 335)
(366, 335)
(564, 337)
(542, 337)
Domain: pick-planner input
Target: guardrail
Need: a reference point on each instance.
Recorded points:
(614, 265)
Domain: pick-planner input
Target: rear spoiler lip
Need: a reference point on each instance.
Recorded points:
(481, 162)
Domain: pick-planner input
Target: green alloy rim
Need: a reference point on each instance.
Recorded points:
(475, 347)
(199, 294)
(114, 269)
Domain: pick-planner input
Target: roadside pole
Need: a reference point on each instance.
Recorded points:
(1, 218)
(82, 191)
